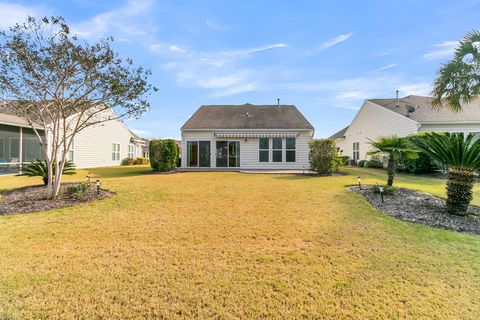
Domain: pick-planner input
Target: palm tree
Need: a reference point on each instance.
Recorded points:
(461, 156)
(393, 147)
(458, 81)
(38, 168)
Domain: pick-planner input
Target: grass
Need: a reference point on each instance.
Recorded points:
(229, 246)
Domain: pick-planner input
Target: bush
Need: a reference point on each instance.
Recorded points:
(373, 164)
(387, 190)
(141, 161)
(345, 160)
(127, 161)
(361, 163)
(79, 191)
(163, 154)
(323, 156)
(423, 164)
(352, 162)
(38, 168)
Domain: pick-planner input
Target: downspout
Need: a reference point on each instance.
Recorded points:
(20, 149)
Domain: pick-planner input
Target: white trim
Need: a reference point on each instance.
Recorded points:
(246, 130)
(255, 135)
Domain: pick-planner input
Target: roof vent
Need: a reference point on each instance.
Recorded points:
(246, 115)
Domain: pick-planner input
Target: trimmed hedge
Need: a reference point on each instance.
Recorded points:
(324, 157)
(361, 163)
(373, 164)
(163, 154)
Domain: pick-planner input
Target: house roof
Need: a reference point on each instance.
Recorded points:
(339, 134)
(247, 116)
(11, 117)
(423, 111)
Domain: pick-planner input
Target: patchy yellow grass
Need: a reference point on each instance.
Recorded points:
(230, 246)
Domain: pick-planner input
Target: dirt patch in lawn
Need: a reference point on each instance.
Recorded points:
(423, 208)
(32, 199)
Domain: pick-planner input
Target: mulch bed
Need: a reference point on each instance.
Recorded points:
(423, 208)
(32, 199)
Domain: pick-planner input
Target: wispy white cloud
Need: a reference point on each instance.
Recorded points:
(141, 132)
(390, 66)
(17, 13)
(125, 22)
(248, 51)
(444, 50)
(330, 43)
(215, 25)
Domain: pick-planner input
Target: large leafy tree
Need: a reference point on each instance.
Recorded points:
(461, 156)
(393, 148)
(458, 81)
(61, 85)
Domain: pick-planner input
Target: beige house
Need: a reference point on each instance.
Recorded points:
(401, 117)
(104, 144)
(233, 137)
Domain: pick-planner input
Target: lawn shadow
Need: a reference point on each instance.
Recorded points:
(308, 176)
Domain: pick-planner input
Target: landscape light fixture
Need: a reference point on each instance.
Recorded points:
(381, 193)
(98, 187)
(359, 182)
(88, 178)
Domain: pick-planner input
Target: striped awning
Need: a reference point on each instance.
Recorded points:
(255, 135)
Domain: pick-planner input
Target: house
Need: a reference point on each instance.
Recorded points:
(402, 117)
(246, 137)
(104, 144)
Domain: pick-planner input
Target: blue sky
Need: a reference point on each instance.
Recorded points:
(324, 57)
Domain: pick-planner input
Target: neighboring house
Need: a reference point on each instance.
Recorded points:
(401, 117)
(246, 137)
(104, 144)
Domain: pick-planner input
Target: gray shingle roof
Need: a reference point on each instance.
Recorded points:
(247, 116)
(339, 134)
(425, 113)
(10, 116)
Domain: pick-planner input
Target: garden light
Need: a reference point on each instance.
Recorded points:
(359, 182)
(88, 178)
(381, 193)
(98, 187)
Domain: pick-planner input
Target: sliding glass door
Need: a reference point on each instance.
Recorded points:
(198, 154)
(228, 154)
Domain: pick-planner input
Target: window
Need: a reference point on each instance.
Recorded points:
(356, 151)
(130, 151)
(115, 151)
(290, 149)
(71, 151)
(277, 146)
(264, 147)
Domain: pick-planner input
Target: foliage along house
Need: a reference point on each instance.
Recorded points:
(401, 117)
(103, 144)
(246, 137)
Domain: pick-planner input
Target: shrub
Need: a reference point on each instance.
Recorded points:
(128, 161)
(163, 154)
(361, 163)
(345, 160)
(423, 164)
(79, 191)
(141, 161)
(38, 168)
(387, 190)
(352, 162)
(323, 156)
(373, 164)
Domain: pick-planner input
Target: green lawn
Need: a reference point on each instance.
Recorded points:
(231, 246)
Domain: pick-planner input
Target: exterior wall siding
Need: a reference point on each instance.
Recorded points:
(93, 145)
(249, 150)
(371, 122)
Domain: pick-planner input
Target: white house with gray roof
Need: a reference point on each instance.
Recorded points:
(234, 137)
(402, 117)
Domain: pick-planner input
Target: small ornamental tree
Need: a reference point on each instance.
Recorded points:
(324, 157)
(461, 155)
(61, 85)
(393, 148)
(163, 154)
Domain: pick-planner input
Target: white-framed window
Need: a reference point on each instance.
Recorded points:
(290, 146)
(115, 151)
(264, 149)
(356, 151)
(277, 149)
(131, 151)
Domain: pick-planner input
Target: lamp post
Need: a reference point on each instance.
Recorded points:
(98, 186)
(381, 193)
(359, 182)
(88, 178)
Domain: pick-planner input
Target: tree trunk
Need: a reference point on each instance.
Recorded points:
(58, 177)
(49, 190)
(390, 170)
(459, 190)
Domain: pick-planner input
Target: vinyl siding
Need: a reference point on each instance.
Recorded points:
(249, 150)
(373, 121)
(93, 145)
